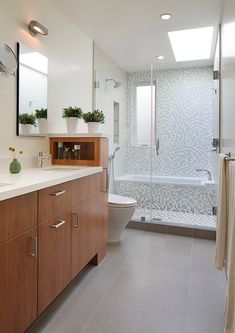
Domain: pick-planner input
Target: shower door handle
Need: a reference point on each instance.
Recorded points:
(157, 144)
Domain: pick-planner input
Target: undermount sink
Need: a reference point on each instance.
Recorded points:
(5, 184)
(62, 169)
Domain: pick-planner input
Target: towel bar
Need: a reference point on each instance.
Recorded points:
(229, 157)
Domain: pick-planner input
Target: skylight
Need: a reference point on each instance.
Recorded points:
(191, 44)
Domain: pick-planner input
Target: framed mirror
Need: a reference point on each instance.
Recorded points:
(32, 77)
(8, 60)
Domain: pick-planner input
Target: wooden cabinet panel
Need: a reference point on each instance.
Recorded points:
(102, 225)
(86, 187)
(89, 231)
(53, 201)
(54, 258)
(18, 282)
(17, 215)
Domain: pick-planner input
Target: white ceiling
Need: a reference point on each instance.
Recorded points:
(131, 31)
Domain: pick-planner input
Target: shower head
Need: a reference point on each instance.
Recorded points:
(116, 83)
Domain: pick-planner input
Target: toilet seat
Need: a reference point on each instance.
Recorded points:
(120, 201)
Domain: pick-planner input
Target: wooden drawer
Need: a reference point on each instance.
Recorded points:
(17, 215)
(54, 258)
(53, 201)
(85, 188)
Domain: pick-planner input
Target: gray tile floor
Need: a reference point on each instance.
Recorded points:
(149, 283)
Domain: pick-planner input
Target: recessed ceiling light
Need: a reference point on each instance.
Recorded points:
(165, 16)
(160, 57)
(192, 44)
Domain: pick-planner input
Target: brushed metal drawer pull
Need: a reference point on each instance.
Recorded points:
(76, 225)
(34, 252)
(58, 224)
(56, 194)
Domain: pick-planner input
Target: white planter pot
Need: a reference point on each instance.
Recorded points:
(93, 127)
(27, 129)
(42, 125)
(72, 124)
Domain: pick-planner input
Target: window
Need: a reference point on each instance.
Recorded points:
(144, 93)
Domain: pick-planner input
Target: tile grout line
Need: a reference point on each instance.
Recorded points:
(189, 284)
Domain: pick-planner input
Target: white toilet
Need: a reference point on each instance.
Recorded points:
(121, 210)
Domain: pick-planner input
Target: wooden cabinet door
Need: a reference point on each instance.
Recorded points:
(89, 231)
(54, 258)
(84, 234)
(18, 282)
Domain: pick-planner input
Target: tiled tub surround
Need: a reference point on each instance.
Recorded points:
(184, 122)
(179, 201)
(188, 198)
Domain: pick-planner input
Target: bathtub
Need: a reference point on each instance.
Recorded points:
(165, 180)
(183, 194)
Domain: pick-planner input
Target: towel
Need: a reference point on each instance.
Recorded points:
(230, 300)
(221, 232)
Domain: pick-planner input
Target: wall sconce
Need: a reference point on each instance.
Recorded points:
(36, 28)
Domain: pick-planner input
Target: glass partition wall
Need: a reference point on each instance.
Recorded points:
(160, 126)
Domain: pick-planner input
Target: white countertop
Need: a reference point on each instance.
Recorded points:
(34, 179)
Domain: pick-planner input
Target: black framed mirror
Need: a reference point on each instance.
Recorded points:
(32, 81)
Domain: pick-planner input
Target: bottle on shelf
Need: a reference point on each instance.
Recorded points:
(60, 151)
(67, 153)
(77, 152)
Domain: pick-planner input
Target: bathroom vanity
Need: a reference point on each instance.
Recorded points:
(52, 224)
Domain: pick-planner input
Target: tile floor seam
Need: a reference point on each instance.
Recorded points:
(189, 283)
(105, 293)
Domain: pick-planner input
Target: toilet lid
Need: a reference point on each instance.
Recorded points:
(121, 201)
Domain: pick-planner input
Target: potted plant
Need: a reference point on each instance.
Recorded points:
(41, 116)
(28, 122)
(93, 119)
(72, 115)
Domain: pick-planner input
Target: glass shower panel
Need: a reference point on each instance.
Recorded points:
(216, 108)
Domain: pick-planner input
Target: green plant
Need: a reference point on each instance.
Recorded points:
(41, 113)
(72, 112)
(96, 116)
(27, 119)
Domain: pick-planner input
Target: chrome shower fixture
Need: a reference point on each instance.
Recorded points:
(116, 147)
(116, 83)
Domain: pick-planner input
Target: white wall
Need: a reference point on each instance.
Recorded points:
(104, 98)
(69, 52)
(228, 78)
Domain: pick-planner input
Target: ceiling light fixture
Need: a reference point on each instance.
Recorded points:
(161, 57)
(37, 28)
(165, 16)
(192, 44)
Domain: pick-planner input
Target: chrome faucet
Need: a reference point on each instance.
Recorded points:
(207, 171)
(42, 156)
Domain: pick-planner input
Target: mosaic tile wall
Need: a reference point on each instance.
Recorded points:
(185, 120)
(181, 198)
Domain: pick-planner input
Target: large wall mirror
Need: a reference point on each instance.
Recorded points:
(32, 77)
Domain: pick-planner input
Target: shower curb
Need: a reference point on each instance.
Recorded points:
(173, 230)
